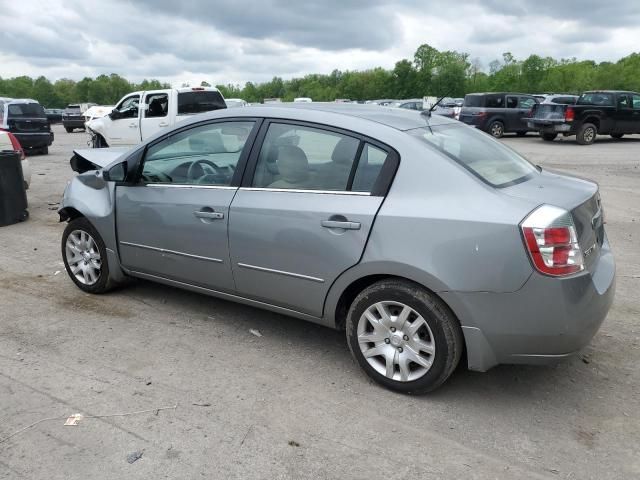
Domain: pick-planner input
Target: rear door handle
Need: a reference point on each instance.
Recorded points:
(338, 224)
(209, 215)
(163, 124)
(133, 125)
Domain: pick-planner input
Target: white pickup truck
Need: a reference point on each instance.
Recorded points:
(139, 115)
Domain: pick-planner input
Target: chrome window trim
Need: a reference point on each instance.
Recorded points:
(295, 190)
(172, 252)
(281, 272)
(188, 185)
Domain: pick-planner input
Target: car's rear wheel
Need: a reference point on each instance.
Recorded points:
(85, 256)
(617, 135)
(44, 151)
(587, 134)
(403, 337)
(496, 129)
(548, 137)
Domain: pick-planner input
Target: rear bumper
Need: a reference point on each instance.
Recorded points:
(547, 320)
(73, 122)
(34, 140)
(549, 126)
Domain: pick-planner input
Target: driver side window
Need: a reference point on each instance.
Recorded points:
(203, 155)
(129, 107)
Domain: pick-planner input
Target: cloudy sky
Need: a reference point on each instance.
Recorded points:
(233, 41)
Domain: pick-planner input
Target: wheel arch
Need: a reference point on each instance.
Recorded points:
(594, 120)
(69, 213)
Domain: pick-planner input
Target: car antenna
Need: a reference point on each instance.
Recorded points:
(428, 112)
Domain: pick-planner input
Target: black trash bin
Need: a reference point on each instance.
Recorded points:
(13, 198)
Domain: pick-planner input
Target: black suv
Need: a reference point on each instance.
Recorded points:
(498, 113)
(25, 118)
(72, 117)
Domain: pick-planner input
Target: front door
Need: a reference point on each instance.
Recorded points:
(123, 127)
(303, 217)
(623, 115)
(173, 222)
(155, 113)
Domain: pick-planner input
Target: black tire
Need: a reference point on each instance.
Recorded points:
(496, 129)
(103, 283)
(548, 137)
(586, 134)
(68, 129)
(617, 135)
(44, 151)
(447, 334)
(521, 134)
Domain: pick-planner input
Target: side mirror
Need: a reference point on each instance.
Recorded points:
(115, 114)
(117, 173)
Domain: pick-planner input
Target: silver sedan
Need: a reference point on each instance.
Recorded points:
(419, 236)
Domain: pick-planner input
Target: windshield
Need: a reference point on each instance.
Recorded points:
(476, 151)
(26, 110)
(199, 101)
(596, 98)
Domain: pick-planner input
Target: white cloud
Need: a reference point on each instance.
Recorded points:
(233, 41)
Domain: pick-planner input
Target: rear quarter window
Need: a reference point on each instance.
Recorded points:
(473, 101)
(486, 158)
(199, 101)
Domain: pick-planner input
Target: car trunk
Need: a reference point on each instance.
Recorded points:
(549, 111)
(580, 197)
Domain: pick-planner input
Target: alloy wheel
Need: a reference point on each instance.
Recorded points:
(83, 257)
(396, 341)
(589, 135)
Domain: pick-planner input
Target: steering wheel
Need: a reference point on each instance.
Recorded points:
(205, 167)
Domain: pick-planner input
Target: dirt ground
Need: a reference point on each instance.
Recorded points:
(292, 403)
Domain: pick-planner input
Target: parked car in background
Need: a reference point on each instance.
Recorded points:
(408, 104)
(8, 141)
(606, 112)
(419, 236)
(73, 116)
(140, 115)
(302, 100)
(235, 102)
(382, 102)
(560, 98)
(498, 113)
(459, 102)
(54, 115)
(26, 119)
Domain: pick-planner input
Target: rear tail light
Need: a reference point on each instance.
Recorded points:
(569, 114)
(15, 143)
(552, 242)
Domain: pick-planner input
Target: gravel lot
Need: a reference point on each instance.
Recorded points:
(292, 403)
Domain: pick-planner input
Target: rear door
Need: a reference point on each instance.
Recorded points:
(304, 212)
(172, 223)
(155, 113)
(635, 103)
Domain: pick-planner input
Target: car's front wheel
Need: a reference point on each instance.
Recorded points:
(403, 337)
(85, 257)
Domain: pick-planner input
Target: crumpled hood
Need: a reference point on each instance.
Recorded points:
(85, 159)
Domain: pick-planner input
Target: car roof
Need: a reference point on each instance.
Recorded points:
(397, 118)
(611, 91)
(502, 93)
(20, 100)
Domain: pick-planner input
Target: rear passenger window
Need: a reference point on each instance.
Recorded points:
(304, 158)
(369, 166)
(156, 105)
(526, 102)
(635, 99)
(512, 102)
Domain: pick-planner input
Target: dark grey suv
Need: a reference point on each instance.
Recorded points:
(498, 113)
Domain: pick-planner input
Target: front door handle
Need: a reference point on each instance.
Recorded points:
(163, 124)
(133, 125)
(209, 215)
(346, 225)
